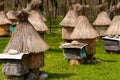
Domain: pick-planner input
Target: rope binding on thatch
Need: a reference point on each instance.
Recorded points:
(71, 3)
(115, 9)
(23, 15)
(83, 9)
(102, 7)
(34, 4)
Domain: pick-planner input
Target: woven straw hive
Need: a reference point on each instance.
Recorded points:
(85, 33)
(12, 15)
(4, 22)
(4, 19)
(36, 18)
(70, 19)
(114, 28)
(102, 21)
(68, 23)
(115, 24)
(25, 39)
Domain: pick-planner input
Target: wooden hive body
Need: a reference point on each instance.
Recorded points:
(36, 60)
(4, 30)
(66, 32)
(90, 49)
(111, 44)
(15, 67)
(101, 29)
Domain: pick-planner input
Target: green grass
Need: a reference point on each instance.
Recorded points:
(58, 68)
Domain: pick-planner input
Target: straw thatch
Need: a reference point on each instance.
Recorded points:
(114, 28)
(4, 19)
(68, 23)
(102, 19)
(69, 19)
(36, 20)
(102, 23)
(35, 5)
(83, 29)
(25, 38)
(12, 15)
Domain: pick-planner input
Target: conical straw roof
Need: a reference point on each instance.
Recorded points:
(102, 19)
(4, 19)
(83, 29)
(70, 19)
(36, 20)
(25, 39)
(114, 28)
(12, 15)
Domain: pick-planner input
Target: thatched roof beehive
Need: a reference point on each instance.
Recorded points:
(71, 17)
(83, 29)
(102, 18)
(4, 19)
(12, 15)
(36, 20)
(114, 28)
(25, 39)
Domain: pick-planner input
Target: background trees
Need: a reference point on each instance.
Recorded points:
(53, 8)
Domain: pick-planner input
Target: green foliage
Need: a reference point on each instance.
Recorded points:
(58, 68)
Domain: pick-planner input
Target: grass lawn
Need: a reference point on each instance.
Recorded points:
(57, 67)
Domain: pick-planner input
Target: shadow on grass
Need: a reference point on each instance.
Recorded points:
(108, 60)
(56, 50)
(58, 76)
